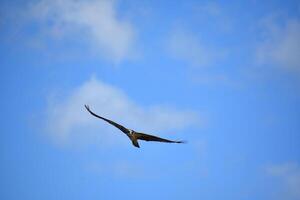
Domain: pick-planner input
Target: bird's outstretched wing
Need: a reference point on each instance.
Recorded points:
(122, 128)
(146, 137)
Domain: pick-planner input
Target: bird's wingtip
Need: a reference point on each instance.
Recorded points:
(182, 141)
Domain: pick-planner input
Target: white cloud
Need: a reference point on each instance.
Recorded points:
(96, 21)
(214, 17)
(211, 8)
(118, 169)
(67, 118)
(187, 47)
(207, 59)
(289, 175)
(281, 44)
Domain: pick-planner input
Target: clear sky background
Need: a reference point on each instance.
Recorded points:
(223, 75)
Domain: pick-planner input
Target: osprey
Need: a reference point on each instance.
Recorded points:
(133, 135)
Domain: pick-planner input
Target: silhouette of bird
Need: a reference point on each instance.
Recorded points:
(133, 135)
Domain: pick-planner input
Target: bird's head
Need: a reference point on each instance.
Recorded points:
(130, 131)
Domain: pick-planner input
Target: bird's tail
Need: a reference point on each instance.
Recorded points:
(135, 143)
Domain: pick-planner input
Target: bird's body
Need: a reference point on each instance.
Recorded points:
(133, 135)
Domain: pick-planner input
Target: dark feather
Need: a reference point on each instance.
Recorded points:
(146, 137)
(122, 128)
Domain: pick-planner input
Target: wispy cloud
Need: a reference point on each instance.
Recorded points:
(205, 60)
(214, 16)
(289, 175)
(186, 46)
(122, 169)
(67, 119)
(280, 46)
(211, 8)
(95, 21)
(118, 169)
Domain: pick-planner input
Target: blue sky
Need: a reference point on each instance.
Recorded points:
(225, 76)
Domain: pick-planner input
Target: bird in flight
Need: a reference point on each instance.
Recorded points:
(133, 135)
